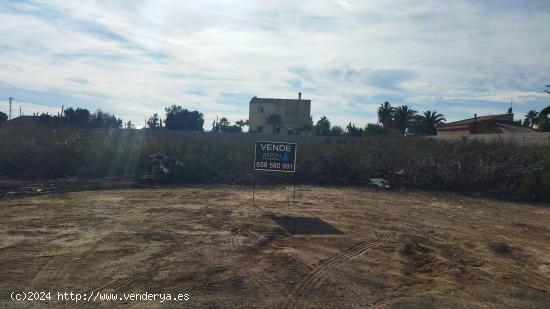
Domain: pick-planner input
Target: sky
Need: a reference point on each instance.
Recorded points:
(134, 58)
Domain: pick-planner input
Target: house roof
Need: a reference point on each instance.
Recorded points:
(501, 117)
(515, 129)
(23, 120)
(275, 101)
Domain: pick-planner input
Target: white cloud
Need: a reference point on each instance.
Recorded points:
(138, 57)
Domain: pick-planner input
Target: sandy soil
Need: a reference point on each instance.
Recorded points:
(368, 249)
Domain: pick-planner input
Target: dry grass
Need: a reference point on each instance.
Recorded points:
(504, 170)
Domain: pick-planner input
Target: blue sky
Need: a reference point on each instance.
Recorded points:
(133, 58)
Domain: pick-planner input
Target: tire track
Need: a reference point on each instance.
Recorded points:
(467, 258)
(233, 240)
(339, 279)
(117, 284)
(266, 283)
(536, 281)
(315, 277)
(262, 239)
(472, 263)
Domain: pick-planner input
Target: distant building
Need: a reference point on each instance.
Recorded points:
(23, 120)
(295, 115)
(503, 123)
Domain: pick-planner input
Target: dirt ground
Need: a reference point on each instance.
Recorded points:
(330, 248)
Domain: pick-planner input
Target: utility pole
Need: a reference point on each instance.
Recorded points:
(20, 112)
(9, 117)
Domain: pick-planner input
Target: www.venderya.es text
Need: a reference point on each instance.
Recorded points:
(47, 296)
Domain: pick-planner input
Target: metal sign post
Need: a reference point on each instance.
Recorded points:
(275, 157)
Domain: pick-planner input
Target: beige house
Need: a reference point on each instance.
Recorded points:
(295, 115)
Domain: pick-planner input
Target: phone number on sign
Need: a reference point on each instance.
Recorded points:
(275, 165)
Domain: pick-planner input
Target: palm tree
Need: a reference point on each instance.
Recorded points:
(531, 118)
(427, 123)
(241, 123)
(403, 117)
(275, 121)
(385, 114)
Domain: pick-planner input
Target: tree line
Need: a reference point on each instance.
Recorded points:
(177, 118)
(79, 118)
(402, 120)
(536, 120)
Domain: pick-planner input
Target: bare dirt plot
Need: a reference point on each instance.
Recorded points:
(371, 249)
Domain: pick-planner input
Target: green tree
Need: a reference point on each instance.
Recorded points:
(385, 115)
(179, 118)
(45, 119)
(221, 125)
(403, 117)
(77, 118)
(352, 130)
(336, 131)
(306, 128)
(531, 119)
(275, 121)
(375, 129)
(153, 121)
(323, 127)
(130, 125)
(102, 119)
(520, 123)
(233, 129)
(3, 118)
(426, 124)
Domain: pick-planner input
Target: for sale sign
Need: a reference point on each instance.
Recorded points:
(275, 157)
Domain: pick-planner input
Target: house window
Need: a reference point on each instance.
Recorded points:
(290, 132)
(277, 130)
(260, 129)
(260, 109)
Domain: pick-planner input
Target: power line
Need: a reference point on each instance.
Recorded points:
(31, 102)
